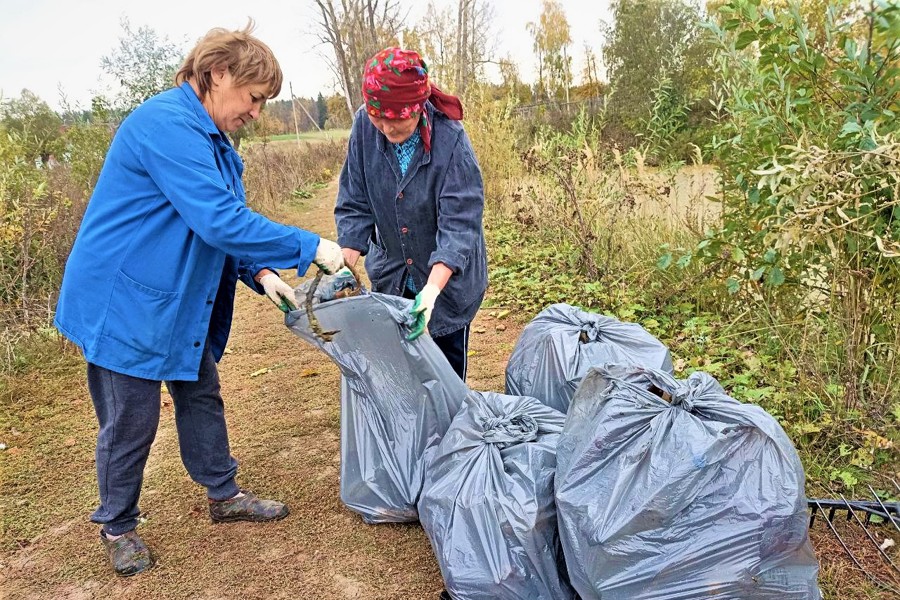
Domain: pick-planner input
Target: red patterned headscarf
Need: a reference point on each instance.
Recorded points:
(396, 86)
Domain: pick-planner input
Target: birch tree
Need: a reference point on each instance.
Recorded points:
(552, 38)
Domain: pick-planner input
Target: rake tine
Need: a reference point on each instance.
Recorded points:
(852, 556)
(884, 555)
(812, 515)
(890, 517)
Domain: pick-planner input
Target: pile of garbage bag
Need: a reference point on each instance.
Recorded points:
(598, 476)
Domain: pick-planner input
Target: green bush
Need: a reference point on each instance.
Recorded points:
(809, 166)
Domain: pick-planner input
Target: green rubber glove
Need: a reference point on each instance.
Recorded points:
(422, 308)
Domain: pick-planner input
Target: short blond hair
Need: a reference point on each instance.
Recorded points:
(247, 59)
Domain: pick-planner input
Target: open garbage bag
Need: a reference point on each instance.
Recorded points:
(397, 399)
(487, 504)
(671, 490)
(558, 347)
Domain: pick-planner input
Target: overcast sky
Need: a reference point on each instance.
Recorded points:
(52, 45)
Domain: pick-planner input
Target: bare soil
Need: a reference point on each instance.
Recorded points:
(282, 405)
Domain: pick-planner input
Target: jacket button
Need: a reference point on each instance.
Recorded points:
(196, 344)
(409, 261)
(400, 196)
(404, 230)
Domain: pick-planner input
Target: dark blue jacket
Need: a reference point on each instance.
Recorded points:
(407, 224)
(163, 242)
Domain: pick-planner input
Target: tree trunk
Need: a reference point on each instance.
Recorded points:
(462, 44)
(331, 34)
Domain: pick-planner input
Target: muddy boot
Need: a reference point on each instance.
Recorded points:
(127, 553)
(247, 507)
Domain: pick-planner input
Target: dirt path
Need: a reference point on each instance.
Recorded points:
(282, 405)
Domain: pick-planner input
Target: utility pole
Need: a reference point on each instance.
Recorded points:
(294, 112)
(310, 117)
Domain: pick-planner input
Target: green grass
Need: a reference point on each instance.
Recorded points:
(311, 136)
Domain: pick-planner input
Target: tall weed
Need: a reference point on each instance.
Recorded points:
(495, 138)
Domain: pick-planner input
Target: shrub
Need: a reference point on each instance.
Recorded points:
(41, 205)
(809, 166)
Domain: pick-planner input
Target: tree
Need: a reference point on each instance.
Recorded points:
(649, 42)
(591, 86)
(434, 37)
(456, 47)
(321, 110)
(551, 42)
(808, 157)
(281, 111)
(143, 63)
(355, 30)
(267, 125)
(37, 125)
(513, 85)
(338, 117)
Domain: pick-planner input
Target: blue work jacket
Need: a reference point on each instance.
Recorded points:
(407, 223)
(164, 239)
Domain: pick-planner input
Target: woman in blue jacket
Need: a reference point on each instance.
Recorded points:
(148, 289)
(411, 199)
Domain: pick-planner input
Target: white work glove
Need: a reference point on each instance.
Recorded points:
(278, 291)
(422, 308)
(329, 257)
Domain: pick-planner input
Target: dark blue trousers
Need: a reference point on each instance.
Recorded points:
(128, 412)
(455, 347)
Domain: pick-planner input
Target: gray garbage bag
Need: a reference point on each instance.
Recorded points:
(397, 399)
(558, 347)
(487, 503)
(699, 496)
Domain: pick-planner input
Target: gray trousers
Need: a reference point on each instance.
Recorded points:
(128, 411)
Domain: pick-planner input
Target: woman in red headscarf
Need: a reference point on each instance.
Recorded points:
(411, 200)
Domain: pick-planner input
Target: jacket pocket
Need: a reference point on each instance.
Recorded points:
(376, 261)
(141, 317)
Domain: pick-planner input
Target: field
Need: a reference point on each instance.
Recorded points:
(312, 136)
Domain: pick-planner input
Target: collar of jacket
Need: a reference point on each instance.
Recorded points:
(200, 110)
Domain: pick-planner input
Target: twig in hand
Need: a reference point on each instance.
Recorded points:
(325, 336)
